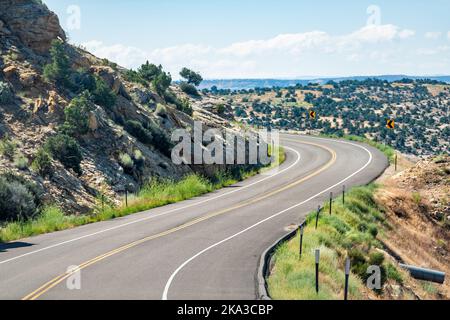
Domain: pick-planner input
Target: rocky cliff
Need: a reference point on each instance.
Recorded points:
(33, 109)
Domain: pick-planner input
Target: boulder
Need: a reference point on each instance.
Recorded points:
(32, 22)
(28, 78)
(10, 72)
(93, 122)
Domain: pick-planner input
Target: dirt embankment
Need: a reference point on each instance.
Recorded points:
(417, 207)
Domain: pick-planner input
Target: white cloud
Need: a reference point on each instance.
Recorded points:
(286, 55)
(123, 55)
(433, 51)
(433, 35)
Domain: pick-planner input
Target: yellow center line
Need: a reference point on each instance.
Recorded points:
(55, 281)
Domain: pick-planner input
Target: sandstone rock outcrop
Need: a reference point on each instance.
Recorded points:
(31, 22)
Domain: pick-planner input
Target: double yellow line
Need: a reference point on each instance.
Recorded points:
(55, 281)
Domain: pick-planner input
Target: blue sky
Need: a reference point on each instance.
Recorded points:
(262, 38)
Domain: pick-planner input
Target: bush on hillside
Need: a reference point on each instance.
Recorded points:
(7, 147)
(59, 70)
(77, 115)
(42, 163)
(102, 94)
(191, 77)
(189, 89)
(136, 129)
(6, 95)
(66, 150)
(19, 198)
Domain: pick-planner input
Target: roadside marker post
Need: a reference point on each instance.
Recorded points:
(103, 202)
(331, 202)
(317, 269)
(347, 276)
(343, 194)
(317, 216)
(396, 158)
(302, 227)
(126, 197)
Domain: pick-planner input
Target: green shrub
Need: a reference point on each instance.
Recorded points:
(160, 140)
(136, 129)
(134, 76)
(65, 149)
(161, 83)
(59, 70)
(8, 147)
(376, 259)
(42, 163)
(17, 201)
(138, 158)
(393, 273)
(77, 115)
(126, 162)
(21, 162)
(6, 95)
(191, 77)
(149, 71)
(189, 89)
(102, 94)
(83, 80)
(183, 105)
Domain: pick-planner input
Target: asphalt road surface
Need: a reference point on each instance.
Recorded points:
(205, 248)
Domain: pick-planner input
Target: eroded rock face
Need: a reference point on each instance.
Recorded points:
(31, 22)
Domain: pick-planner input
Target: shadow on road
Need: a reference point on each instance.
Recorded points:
(4, 247)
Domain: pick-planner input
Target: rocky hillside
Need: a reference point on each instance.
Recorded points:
(79, 126)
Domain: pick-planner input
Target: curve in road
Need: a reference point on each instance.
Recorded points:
(198, 249)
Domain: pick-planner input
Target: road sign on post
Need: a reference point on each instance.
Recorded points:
(317, 269)
(347, 276)
(312, 114)
(390, 124)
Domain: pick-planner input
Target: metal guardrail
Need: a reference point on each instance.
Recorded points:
(425, 274)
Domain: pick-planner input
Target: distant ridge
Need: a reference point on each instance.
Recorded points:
(239, 84)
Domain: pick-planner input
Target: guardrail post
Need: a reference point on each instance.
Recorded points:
(347, 276)
(396, 159)
(317, 216)
(331, 202)
(343, 195)
(317, 269)
(301, 239)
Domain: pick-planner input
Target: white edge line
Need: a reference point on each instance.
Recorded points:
(169, 282)
(154, 216)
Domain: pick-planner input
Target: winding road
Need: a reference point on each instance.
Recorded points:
(205, 248)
